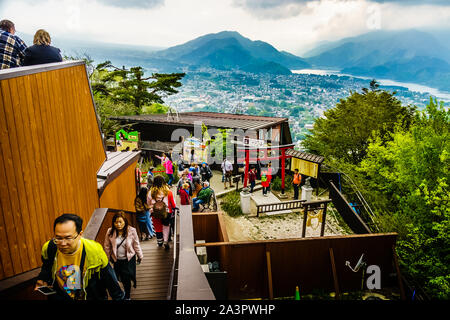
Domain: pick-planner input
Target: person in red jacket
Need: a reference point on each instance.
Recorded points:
(184, 194)
(160, 191)
(265, 181)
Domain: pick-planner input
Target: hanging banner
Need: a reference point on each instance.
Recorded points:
(307, 168)
(127, 141)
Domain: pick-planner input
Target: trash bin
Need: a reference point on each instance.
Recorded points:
(245, 201)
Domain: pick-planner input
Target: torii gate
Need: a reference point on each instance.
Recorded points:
(247, 149)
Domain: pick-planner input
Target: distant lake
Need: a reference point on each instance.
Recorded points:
(384, 82)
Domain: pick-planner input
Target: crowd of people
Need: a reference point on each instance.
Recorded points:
(15, 53)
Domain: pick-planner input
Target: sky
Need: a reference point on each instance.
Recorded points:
(290, 25)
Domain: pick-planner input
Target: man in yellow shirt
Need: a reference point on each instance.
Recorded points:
(74, 267)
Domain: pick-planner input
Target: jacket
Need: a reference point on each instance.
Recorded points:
(39, 54)
(98, 276)
(205, 194)
(131, 244)
(184, 197)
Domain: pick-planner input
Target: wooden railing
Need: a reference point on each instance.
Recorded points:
(279, 206)
(191, 281)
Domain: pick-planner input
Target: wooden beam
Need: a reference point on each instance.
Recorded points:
(269, 275)
(335, 279)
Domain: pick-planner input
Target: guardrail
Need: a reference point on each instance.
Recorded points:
(279, 206)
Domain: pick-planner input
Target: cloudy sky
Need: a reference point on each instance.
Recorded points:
(291, 25)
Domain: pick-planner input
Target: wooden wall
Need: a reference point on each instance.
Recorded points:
(121, 192)
(305, 262)
(51, 150)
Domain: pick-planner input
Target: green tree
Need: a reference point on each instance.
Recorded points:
(344, 132)
(131, 86)
(409, 176)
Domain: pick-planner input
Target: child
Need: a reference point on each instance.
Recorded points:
(184, 194)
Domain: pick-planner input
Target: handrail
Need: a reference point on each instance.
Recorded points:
(23, 71)
(191, 282)
(279, 206)
(171, 292)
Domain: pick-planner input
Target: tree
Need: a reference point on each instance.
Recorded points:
(410, 176)
(131, 86)
(344, 132)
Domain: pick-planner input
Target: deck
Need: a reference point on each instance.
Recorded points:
(153, 274)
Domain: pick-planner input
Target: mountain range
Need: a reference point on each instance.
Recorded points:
(408, 56)
(230, 50)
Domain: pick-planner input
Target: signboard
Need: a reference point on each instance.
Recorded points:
(255, 143)
(200, 151)
(307, 168)
(127, 141)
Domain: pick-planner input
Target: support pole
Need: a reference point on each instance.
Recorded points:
(247, 166)
(399, 276)
(335, 279)
(324, 217)
(305, 217)
(269, 275)
(283, 169)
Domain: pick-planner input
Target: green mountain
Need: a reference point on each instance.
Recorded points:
(410, 56)
(230, 50)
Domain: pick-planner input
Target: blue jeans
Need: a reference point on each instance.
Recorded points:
(196, 203)
(170, 179)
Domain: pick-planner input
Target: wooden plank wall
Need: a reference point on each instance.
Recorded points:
(51, 150)
(121, 192)
(304, 262)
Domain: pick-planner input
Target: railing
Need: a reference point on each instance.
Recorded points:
(279, 206)
(191, 282)
(350, 217)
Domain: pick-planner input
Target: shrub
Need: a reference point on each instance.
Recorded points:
(276, 183)
(231, 204)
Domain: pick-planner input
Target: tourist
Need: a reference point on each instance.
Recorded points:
(76, 268)
(167, 163)
(143, 215)
(227, 169)
(12, 48)
(296, 181)
(41, 51)
(269, 175)
(184, 179)
(161, 203)
(265, 181)
(180, 163)
(205, 172)
(252, 178)
(184, 194)
(203, 196)
(122, 246)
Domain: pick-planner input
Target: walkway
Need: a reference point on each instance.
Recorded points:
(153, 274)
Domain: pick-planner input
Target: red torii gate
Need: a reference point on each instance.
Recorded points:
(247, 149)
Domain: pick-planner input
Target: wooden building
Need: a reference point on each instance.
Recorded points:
(52, 161)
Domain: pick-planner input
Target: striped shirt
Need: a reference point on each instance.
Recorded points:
(12, 50)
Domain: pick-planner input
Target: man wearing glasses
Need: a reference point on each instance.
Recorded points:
(74, 267)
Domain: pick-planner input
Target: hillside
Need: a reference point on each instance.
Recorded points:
(230, 50)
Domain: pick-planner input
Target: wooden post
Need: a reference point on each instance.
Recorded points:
(324, 217)
(247, 165)
(335, 279)
(283, 168)
(399, 277)
(305, 217)
(269, 275)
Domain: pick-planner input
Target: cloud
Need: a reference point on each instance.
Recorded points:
(281, 9)
(141, 4)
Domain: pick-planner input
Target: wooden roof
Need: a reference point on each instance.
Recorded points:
(304, 156)
(115, 164)
(210, 119)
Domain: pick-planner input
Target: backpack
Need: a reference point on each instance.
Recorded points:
(263, 177)
(160, 210)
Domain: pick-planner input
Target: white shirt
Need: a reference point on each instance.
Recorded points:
(121, 251)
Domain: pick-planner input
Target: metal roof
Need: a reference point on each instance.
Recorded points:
(210, 119)
(304, 156)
